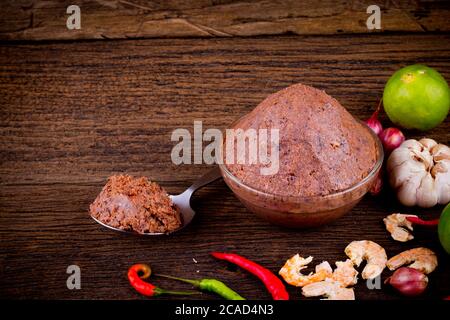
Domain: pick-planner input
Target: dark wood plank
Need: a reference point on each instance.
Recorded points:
(74, 113)
(44, 20)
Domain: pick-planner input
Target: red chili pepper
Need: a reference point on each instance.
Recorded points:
(420, 222)
(271, 281)
(146, 288)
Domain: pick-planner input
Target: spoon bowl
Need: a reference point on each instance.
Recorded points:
(182, 201)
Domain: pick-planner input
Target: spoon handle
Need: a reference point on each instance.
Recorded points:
(207, 178)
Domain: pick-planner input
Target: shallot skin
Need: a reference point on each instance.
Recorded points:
(391, 138)
(377, 186)
(408, 281)
(375, 124)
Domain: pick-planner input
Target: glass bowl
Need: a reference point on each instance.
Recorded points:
(303, 211)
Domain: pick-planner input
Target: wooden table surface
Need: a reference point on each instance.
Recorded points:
(75, 112)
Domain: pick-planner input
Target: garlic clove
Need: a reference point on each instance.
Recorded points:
(407, 191)
(412, 145)
(442, 167)
(441, 172)
(423, 157)
(440, 152)
(398, 157)
(427, 196)
(427, 143)
(406, 171)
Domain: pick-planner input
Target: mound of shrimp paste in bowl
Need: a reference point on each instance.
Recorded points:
(326, 159)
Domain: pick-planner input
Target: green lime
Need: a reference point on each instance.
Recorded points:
(416, 97)
(444, 228)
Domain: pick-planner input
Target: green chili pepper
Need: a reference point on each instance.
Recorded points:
(210, 285)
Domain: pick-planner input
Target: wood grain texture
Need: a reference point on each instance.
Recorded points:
(74, 113)
(119, 19)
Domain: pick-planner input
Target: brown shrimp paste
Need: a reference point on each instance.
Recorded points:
(136, 204)
(322, 148)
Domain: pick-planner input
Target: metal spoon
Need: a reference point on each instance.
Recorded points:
(182, 201)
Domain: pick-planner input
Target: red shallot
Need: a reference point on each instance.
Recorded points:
(408, 281)
(391, 138)
(377, 185)
(374, 123)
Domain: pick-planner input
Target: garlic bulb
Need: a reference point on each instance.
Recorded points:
(420, 172)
